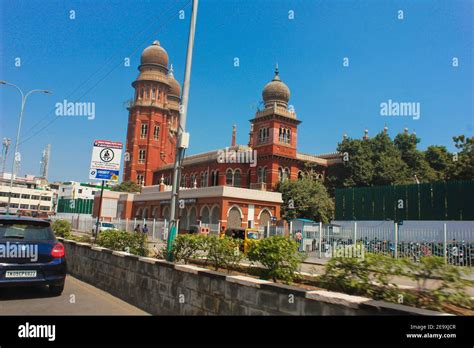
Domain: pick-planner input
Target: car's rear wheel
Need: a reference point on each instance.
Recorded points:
(56, 290)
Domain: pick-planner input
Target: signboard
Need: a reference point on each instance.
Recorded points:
(105, 162)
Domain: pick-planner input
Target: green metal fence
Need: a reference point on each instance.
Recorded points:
(75, 206)
(452, 200)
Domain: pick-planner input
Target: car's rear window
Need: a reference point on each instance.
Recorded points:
(25, 230)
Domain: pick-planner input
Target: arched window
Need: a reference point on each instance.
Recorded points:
(213, 174)
(153, 93)
(192, 216)
(287, 174)
(205, 215)
(237, 178)
(280, 173)
(142, 93)
(215, 215)
(229, 177)
(143, 130)
(300, 175)
(156, 132)
(183, 181)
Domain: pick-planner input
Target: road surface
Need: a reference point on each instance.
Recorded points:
(78, 298)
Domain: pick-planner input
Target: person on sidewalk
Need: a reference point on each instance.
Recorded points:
(137, 228)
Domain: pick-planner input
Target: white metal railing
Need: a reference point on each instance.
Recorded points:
(156, 229)
(450, 240)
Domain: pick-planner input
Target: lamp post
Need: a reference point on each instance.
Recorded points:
(183, 137)
(24, 97)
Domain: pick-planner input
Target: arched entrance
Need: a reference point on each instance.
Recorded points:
(265, 218)
(234, 219)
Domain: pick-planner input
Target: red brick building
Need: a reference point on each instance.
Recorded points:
(153, 117)
(270, 156)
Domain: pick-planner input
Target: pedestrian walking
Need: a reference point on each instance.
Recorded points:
(137, 228)
(145, 229)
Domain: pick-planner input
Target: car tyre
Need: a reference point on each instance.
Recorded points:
(56, 290)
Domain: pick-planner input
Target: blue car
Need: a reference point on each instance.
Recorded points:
(30, 254)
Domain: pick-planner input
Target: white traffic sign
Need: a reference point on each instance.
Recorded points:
(105, 162)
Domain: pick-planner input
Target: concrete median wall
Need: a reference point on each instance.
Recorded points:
(163, 288)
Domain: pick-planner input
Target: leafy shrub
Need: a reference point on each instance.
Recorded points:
(62, 228)
(451, 286)
(187, 246)
(279, 255)
(371, 276)
(223, 252)
(134, 243)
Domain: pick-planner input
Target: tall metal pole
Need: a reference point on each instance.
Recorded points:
(182, 140)
(96, 234)
(16, 154)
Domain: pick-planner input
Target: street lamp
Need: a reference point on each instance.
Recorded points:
(15, 154)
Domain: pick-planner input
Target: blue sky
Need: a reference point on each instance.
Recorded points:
(407, 60)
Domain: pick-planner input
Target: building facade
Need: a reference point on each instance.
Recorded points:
(243, 177)
(29, 194)
(153, 117)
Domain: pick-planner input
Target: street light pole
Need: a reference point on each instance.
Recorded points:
(183, 137)
(24, 97)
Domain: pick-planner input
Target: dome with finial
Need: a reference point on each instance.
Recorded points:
(154, 55)
(175, 88)
(276, 92)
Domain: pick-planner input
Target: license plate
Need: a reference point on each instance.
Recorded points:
(20, 274)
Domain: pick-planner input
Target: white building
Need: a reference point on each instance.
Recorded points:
(28, 194)
(77, 190)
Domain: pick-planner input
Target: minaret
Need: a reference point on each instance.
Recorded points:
(234, 132)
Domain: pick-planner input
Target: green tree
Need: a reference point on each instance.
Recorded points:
(389, 167)
(440, 160)
(418, 168)
(127, 186)
(305, 198)
(463, 160)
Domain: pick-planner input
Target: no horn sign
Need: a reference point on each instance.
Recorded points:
(105, 162)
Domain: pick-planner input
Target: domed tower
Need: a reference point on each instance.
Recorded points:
(275, 131)
(174, 100)
(151, 133)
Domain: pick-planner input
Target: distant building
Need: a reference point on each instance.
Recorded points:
(29, 195)
(76, 197)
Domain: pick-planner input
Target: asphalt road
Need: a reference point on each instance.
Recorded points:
(78, 298)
